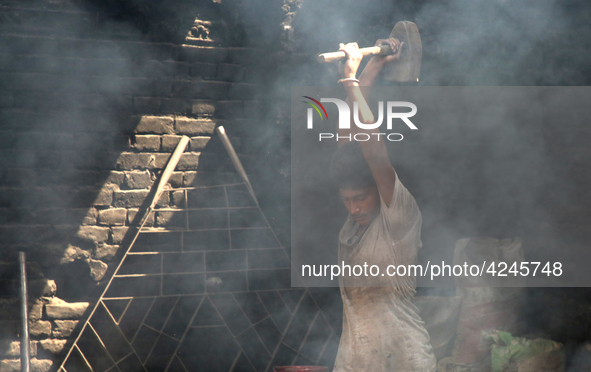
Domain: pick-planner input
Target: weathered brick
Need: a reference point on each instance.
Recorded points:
(193, 127)
(203, 107)
(200, 89)
(178, 198)
(112, 217)
(241, 90)
(104, 198)
(203, 178)
(64, 328)
(188, 161)
(146, 143)
(176, 68)
(40, 328)
(60, 309)
(130, 160)
(229, 72)
(203, 70)
(205, 54)
(169, 143)
(93, 234)
(198, 143)
(243, 55)
(131, 213)
(155, 124)
(170, 218)
(13, 350)
(10, 365)
(106, 251)
(176, 179)
(160, 161)
(146, 104)
(97, 269)
(175, 106)
(230, 109)
(112, 177)
(36, 310)
(51, 347)
(138, 180)
(89, 215)
(9, 328)
(129, 198)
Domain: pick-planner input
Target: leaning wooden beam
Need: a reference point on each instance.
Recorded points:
(172, 163)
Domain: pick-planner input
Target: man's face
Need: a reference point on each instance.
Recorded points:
(363, 205)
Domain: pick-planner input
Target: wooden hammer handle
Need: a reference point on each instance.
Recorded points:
(335, 56)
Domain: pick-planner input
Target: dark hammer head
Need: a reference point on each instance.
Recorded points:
(408, 67)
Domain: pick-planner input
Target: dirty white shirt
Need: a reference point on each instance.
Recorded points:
(382, 329)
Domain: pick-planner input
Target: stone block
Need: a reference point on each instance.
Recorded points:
(170, 219)
(175, 106)
(72, 253)
(112, 177)
(104, 198)
(93, 234)
(194, 127)
(10, 365)
(178, 198)
(64, 328)
(51, 347)
(160, 161)
(40, 328)
(203, 107)
(214, 90)
(176, 179)
(155, 125)
(129, 198)
(202, 53)
(229, 72)
(130, 160)
(65, 310)
(188, 161)
(138, 180)
(198, 143)
(146, 104)
(242, 90)
(112, 217)
(9, 328)
(131, 213)
(36, 310)
(97, 269)
(13, 350)
(169, 143)
(106, 252)
(146, 143)
(89, 216)
(230, 109)
(206, 71)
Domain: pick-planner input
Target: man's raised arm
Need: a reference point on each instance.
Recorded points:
(374, 149)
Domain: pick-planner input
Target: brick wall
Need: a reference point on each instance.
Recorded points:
(90, 112)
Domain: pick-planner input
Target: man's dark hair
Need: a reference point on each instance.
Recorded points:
(349, 169)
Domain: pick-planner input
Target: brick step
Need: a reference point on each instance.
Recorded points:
(122, 67)
(16, 43)
(186, 88)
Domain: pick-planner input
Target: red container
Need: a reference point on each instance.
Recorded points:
(300, 369)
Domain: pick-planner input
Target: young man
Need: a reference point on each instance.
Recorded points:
(382, 330)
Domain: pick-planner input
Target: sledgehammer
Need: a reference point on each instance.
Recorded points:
(407, 68)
